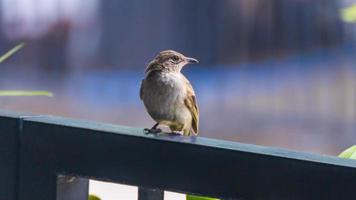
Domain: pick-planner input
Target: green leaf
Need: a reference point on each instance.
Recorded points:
(93, 197)
(11, 52)
(192, 197)
(348, 14)
(25, 93)
(349, 153)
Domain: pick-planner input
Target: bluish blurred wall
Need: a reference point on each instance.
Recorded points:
(271, 72)
(118, 33)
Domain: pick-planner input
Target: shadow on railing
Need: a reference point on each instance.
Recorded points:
(34, 150)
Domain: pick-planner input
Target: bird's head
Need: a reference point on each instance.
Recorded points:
(170, 60)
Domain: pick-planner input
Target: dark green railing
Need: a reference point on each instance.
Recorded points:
(34, 150)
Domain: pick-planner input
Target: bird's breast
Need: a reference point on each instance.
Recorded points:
(164, 96)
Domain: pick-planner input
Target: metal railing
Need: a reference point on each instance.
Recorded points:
(34, 150)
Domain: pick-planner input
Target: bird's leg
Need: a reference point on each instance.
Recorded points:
(177, 133)
(153, 130)
(177, 129)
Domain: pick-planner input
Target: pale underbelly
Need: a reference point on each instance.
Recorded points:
(167, 109)
(164, 99)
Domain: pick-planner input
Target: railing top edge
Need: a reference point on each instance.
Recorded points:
(201, 141)
(13, 114)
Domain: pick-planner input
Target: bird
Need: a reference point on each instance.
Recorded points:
(168, 96)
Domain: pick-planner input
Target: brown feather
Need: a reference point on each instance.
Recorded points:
(192, 105)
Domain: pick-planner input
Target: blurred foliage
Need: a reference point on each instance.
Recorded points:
(349, 153)
(19, 92)
(11, 52)
(93, 197)
(192, 197)
(25, 93)
(348, 14)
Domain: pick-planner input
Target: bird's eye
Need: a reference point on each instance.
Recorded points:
(175, 58)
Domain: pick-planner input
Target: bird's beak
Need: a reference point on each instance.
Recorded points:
(191, 60)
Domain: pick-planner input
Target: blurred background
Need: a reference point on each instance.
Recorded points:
(275, 72)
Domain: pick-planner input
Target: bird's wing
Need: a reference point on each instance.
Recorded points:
(141, 90)
(191, 102)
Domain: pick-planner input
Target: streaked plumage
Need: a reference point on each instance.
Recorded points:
(167, 94)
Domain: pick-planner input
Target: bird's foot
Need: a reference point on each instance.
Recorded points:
(152, 130)
(177, 133)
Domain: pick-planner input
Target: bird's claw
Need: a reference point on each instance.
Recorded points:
(177, 133)
(152, 130)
